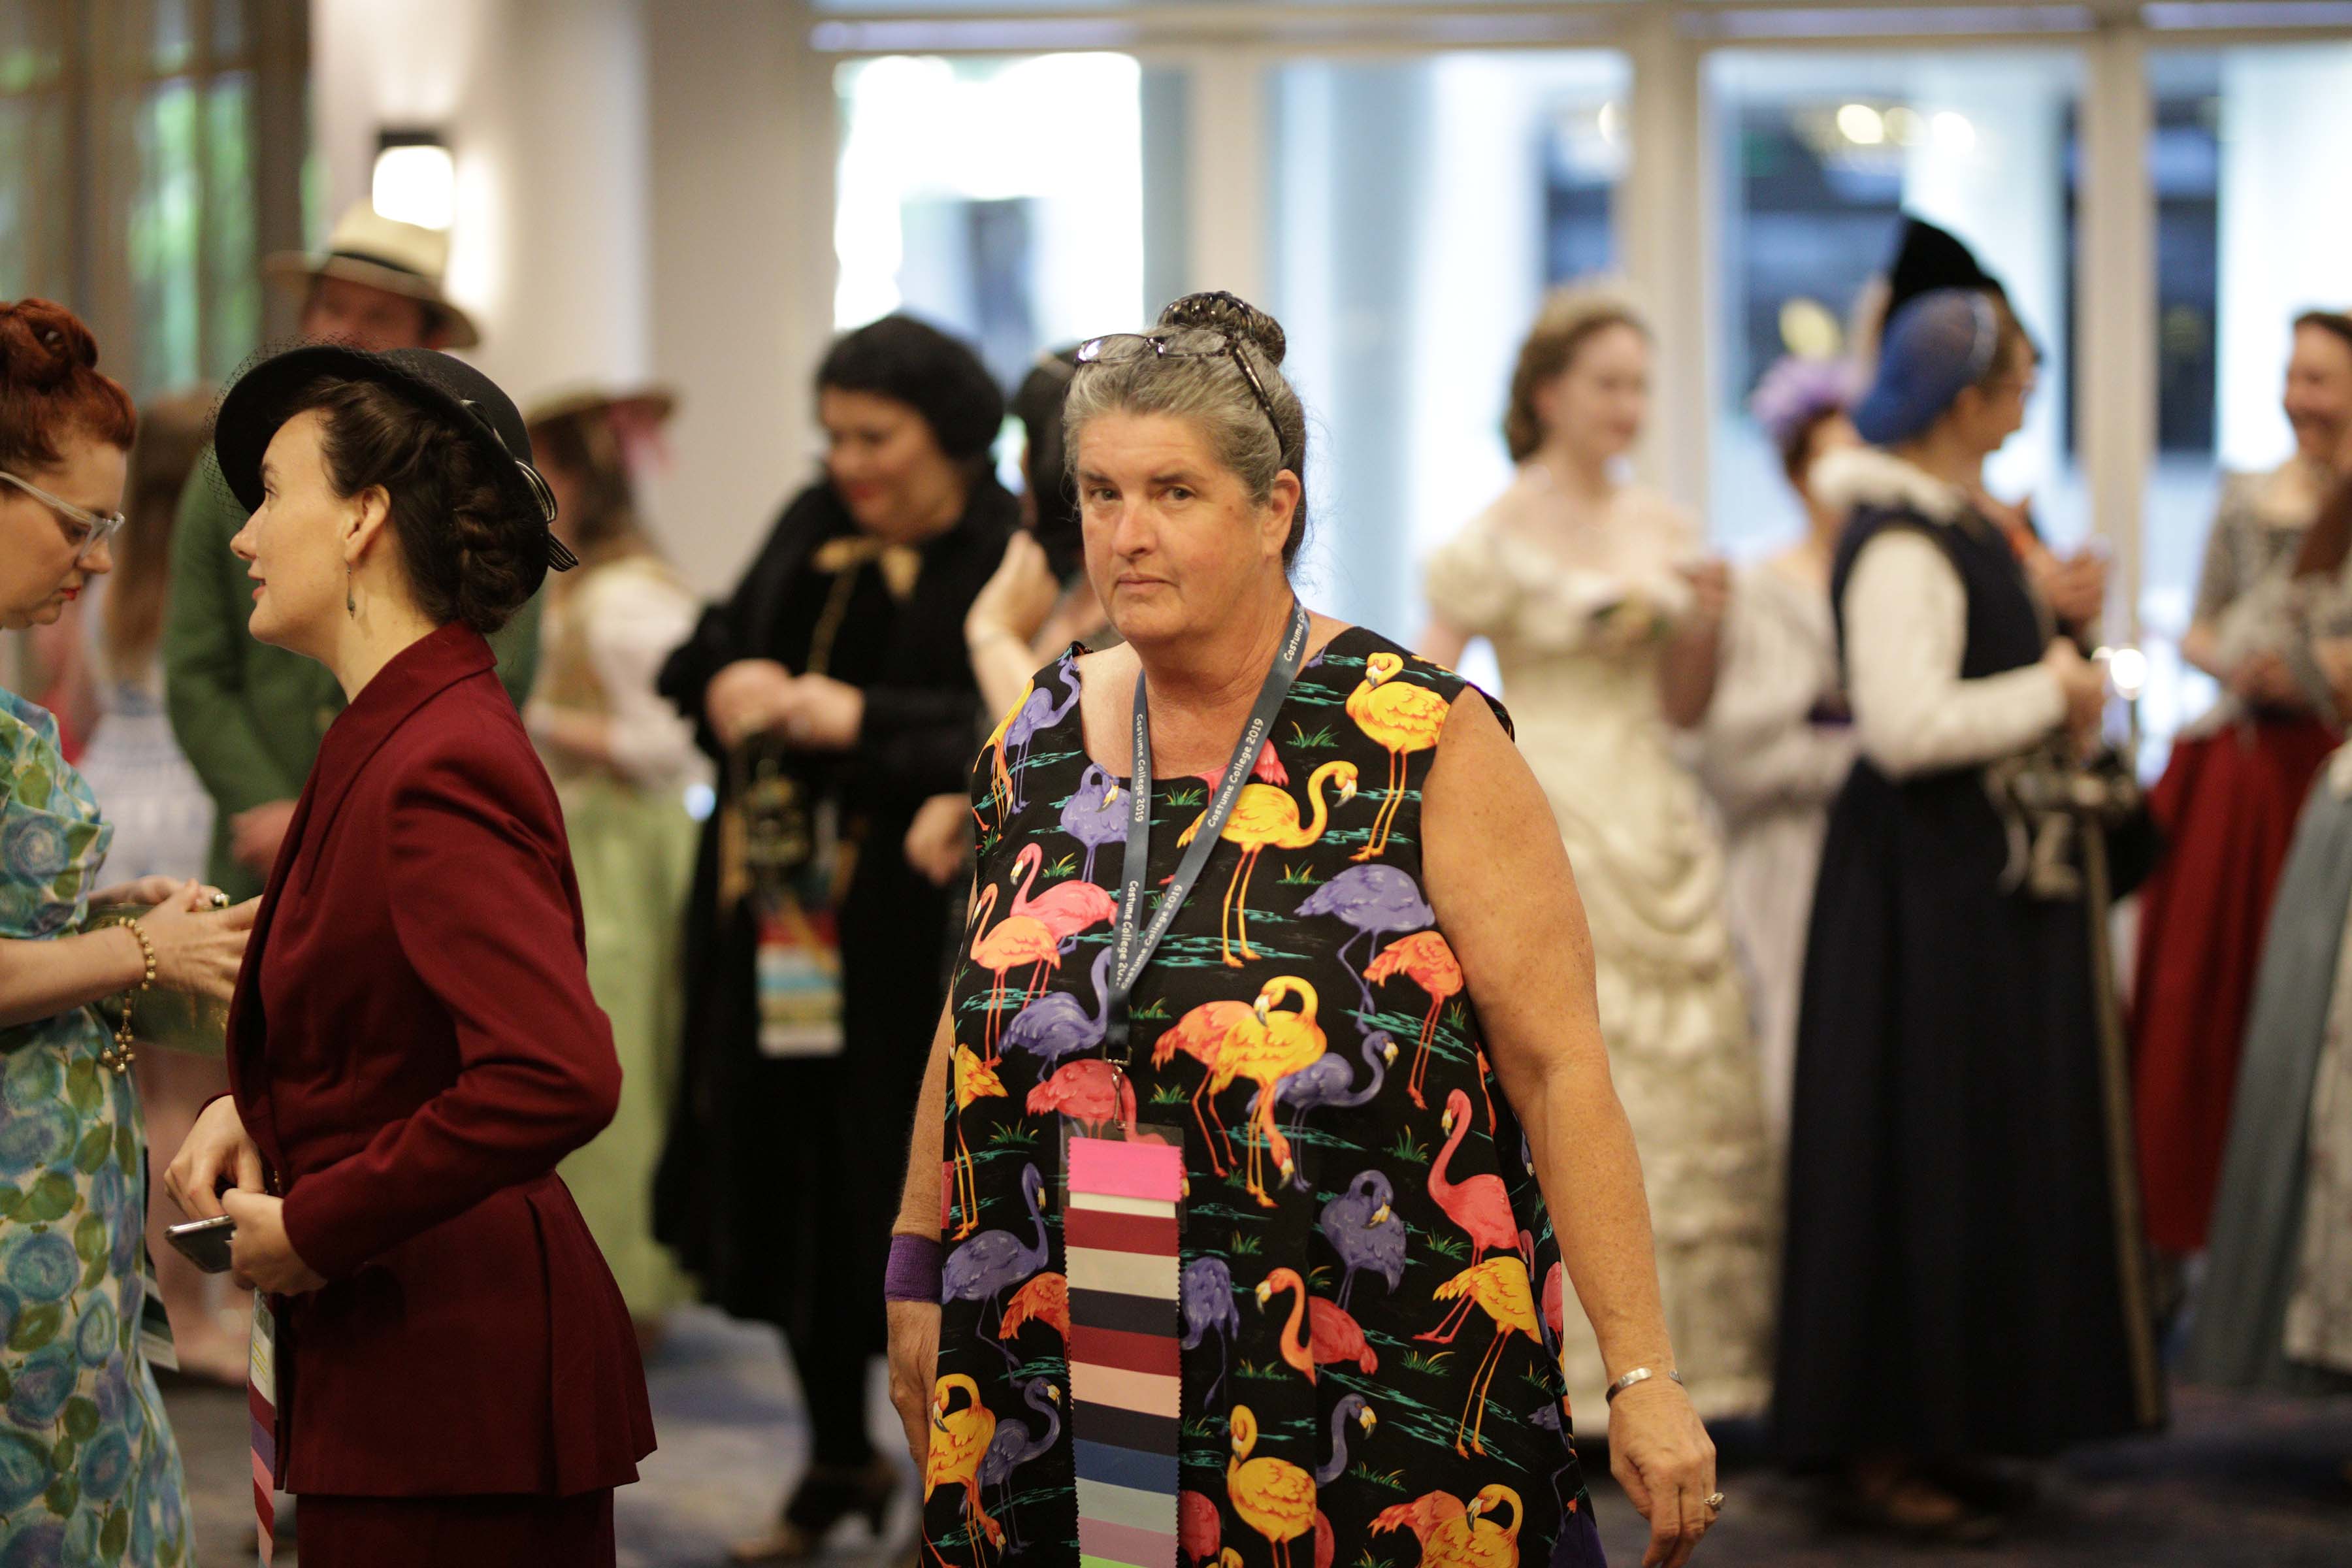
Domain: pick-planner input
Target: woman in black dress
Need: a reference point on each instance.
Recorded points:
(1953, 1290)
(836, 685)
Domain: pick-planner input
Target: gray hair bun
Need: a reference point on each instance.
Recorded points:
(1218, 312)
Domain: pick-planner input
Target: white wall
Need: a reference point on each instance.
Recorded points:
(643, 190)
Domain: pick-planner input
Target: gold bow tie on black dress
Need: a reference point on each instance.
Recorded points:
(900, 564)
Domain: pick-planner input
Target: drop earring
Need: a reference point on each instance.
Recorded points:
(351, 605)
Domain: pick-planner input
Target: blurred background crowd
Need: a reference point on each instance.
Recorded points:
(793, 288)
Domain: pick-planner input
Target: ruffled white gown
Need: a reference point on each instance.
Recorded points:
(1578, 614)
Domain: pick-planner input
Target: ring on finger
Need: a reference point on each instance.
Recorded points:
(1715, 1502)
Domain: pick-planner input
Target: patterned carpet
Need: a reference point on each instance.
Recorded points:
(2241, 1482)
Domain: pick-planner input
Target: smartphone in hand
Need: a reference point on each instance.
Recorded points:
(205, 1241)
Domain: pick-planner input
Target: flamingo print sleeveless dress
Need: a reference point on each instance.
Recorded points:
(1370, 1292)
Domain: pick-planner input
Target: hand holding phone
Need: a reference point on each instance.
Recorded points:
(205, 1241)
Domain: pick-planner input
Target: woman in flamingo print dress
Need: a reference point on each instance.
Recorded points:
(1372, 1281)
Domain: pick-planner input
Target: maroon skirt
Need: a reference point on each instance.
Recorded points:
(2227, 805)
(491, 1531)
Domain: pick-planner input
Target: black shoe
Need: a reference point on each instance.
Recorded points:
(827, 1495)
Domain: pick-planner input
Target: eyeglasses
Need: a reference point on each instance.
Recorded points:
(85, 530)
(1121, 348)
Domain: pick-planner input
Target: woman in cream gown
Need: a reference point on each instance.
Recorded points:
(1605, 633)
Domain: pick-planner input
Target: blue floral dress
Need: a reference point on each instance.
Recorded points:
(88, 1471)
(1371, 1291)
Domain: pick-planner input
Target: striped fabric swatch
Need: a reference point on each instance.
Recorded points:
(261, 1403)
(1119, 1231)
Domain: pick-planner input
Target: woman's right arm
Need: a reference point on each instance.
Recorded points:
(42, 979)
(196, 951)
(915, 1325)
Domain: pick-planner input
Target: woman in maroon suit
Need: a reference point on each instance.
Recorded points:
(413, 1046)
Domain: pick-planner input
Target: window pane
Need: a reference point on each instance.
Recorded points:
(32, 44)
(163, 230)
(1418, 209)
(233, 314)
(2246, 152)
(971, 196)
(36, 222)
(229, 30)
(175, 35)
(1823, 152)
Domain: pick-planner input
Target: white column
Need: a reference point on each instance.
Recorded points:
(2115, 285)
(742, 268)
(1663, 233)
(2286, 229)
(1228, 174)
(543, 102)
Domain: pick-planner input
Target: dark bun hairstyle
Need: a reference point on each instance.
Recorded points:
(938, 377)
(50, 387)
(471, 553)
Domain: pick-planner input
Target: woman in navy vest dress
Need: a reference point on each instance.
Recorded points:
(1951, 1291)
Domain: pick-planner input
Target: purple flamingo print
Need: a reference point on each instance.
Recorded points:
(1013, 1447)
(1376, 901)
(994, 1261)
(1365, 1231)
(1207, 1292)
(1037, 715)
(1328, 1080)
(1352, 1408)
(1093, 815)
(1057, 1026)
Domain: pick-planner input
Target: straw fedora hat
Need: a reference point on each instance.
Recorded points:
(645, 407)
(397, 258)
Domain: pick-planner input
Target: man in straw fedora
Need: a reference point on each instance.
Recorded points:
(249, 716)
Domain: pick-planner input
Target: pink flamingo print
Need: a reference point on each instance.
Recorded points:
(1480, 1205)
(1425, 960)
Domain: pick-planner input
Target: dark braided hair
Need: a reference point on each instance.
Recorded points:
(472, 553)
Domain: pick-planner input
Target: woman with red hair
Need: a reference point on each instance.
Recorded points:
(88, 1467)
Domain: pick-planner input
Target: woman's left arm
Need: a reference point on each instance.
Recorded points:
(482, 915)
(1506, 898)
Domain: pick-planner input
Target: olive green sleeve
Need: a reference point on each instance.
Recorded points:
(517, 646)
(204, 648)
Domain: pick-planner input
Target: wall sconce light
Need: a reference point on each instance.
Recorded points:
(416, 178)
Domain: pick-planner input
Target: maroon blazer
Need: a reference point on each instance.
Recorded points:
(413, 1047)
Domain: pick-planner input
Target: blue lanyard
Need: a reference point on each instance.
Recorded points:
(1135, 943)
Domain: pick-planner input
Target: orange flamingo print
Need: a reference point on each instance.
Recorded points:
(959, 1441)
(1425, 960)
(1201, 1033)
(1013, 942)
(1400, 719)
(1454, 1536)
(1265, 818)
(1273, 1497)
(974, 1081)
(1499, 1288)
(1044, 1299)
(1266, 1048)
(1333, 1335)
(1000, 777)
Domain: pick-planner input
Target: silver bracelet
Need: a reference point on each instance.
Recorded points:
(1638, 1374)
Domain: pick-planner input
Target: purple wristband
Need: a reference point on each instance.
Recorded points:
(913, 1271)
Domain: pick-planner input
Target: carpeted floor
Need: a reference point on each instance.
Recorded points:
(2236, 1483)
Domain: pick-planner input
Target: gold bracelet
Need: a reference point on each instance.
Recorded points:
(120, 1056)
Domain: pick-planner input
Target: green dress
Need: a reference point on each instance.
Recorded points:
(89, 1470)
(604, 635)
